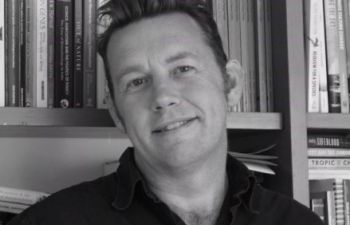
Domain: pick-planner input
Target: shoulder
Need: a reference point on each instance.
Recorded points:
(70, 204)
(281, 209)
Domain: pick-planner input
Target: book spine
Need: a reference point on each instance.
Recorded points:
(332, 43)
(328, 152)
(268, 46)
(346, 10)
(12, 76)
(78, 54)
(89, 54)
(312, 24)
(244, 54)
(2, 53)
(30, 38)
(329, 163)
(251, 56)
(41, 53)
(339, 201)
(344, 89)
(50, 52)
(328, 141)
(21, 52)
(260, 55)
(346, 184)
(63, 54)
(331, 211)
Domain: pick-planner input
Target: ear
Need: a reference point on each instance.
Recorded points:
(234, 83)
(114, 113)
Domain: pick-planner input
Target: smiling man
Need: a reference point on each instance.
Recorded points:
(169, 79)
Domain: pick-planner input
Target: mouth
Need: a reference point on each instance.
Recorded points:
(174, 125)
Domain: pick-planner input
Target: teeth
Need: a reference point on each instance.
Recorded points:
(174, 125)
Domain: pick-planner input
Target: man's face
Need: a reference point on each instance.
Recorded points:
(169, 90)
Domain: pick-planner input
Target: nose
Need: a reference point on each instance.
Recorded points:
(164, 97)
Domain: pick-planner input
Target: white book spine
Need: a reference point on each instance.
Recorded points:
(322, 61)
(41, 51)
(2, 53)
(312, 46)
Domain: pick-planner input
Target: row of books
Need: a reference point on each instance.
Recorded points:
(245, 28)
(14, 201)
(329, 175)
(330, 199)
(327, 39)
(48, 53)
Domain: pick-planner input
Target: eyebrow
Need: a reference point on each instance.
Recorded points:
(179, 56)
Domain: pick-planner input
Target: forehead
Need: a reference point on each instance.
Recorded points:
(159, 35)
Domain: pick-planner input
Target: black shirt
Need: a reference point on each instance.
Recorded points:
(123, 198)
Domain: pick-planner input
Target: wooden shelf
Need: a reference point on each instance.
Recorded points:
(254, 121)
(328, 121)
(36, 122)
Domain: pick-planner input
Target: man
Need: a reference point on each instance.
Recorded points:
(169, 79)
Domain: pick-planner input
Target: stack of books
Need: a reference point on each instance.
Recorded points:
(327, 38)
(14, 201)
(245, 29)
(329, 174)
(48, 53)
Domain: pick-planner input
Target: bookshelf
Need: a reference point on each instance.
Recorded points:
(288, 125)
(55, 122)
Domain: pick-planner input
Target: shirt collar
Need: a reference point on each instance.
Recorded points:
(242, 182)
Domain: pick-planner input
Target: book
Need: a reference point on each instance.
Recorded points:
(328, 152)
(260, 60)
(2, 54)
(78, 54)
(12, 54)
(322, 190)
(244, 54)
(30, 46)
(21, 50)
(329, 163)
(50, 53)
(41, 51)
(251, 57)
(332, 43)
(346, 10)
(63, 96)
(21, 196)
(344, 89)
(268, 47)
(89, 54)
(328, 141)
(12, 207)
(346, 184)
(316, 55)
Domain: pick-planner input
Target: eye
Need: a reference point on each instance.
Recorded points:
(182, 70)
(137, 83)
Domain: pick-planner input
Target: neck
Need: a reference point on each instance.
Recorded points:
(195, 192)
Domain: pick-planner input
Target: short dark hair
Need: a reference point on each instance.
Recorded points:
(120, 13)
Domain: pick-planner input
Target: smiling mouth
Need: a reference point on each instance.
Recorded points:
(174, 126)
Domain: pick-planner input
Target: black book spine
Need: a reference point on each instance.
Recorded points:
(89, 54)
(63, 54)
(78, 54)
(50, 53)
